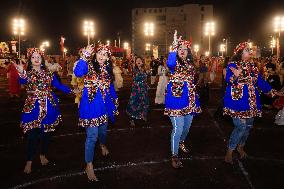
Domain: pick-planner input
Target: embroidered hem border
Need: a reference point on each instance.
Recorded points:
(115, 112)
(181, 112)
(116, 103)
(242, 114)
(37, 124)
(95, 122)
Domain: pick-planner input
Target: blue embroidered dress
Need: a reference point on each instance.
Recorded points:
(99, 101)
(242, 96)
(181, 98)
(41, 108)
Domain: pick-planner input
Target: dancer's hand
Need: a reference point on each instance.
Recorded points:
(90, 48)
(19, 67)
(175, 42)
(88, 51)
(175, 36)
(235, 71)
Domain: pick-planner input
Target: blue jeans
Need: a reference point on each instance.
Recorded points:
(33, 137)
(181, 125)
(240, 133)
(93, 133)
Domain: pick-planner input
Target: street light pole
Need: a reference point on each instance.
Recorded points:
(210, 31)
(19, 45)
(89, 29)
(196, 49)
(272, 44)
(278, 44)
(18, 29)
(88, 38)
(119, 41)
(278, 27)
(209, 43)
(222, 49)
(148, 31)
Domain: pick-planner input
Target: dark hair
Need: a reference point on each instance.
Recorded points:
(30, 65)
(188, 58)
(108, 67)
(139, 57)
(226, 61)
(237, 57)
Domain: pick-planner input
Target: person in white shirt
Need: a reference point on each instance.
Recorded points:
(118, 80)
(162, 84)
(54, 67)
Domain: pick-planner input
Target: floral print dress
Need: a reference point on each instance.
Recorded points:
(138, 104)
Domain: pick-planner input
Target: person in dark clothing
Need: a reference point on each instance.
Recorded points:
(273, 79)
(154, 69)
(125, 67)
(219, 112)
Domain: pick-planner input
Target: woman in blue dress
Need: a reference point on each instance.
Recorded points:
(242, 97)
(98, 102)
(181, 101)
(41, 109)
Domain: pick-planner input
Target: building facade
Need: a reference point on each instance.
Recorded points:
(188, 20)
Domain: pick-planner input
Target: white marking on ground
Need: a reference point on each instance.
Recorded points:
(240, 164)
(112, 166)
(245, 174)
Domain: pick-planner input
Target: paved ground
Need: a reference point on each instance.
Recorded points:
(140, 158)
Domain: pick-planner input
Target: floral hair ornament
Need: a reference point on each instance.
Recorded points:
(242, 46)
(181, 42)
(103, 47)
(185, 43)
(31, 51)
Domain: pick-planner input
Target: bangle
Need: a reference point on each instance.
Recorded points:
(272, 93)
(86, 55)
(23, 75)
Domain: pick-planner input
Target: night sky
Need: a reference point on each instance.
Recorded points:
(49, 19)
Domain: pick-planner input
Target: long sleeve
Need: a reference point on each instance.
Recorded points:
(23, 81)
(23, 77)
(171, 62)
(81, 68)
(230, 77)
(59, 86)
(263, 85)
